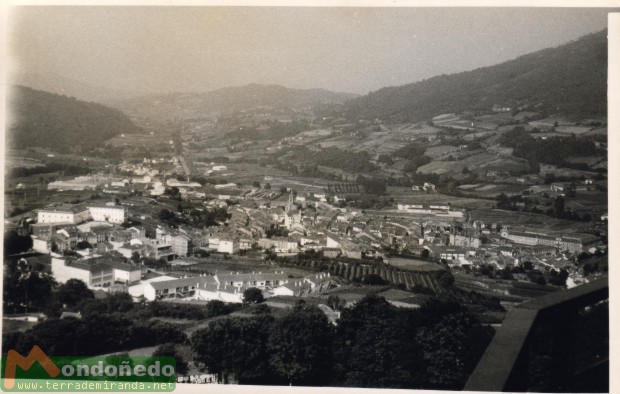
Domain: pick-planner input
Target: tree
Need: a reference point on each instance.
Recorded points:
(73, 291)
(170, 350)
(452, 348)
(446, 279)
(300, 345)
(256, 184)
(253, 296)
(558, 206)
(335, 302)
(267, 185)
(558, 278)
(425, 253)
(83, 245)
(15, 243)
(373, 346)
(26, 287)
(135, 257)
(216, 308)
(234, 348)
(373, 280)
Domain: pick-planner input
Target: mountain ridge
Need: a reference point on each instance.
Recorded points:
(59, 122)
(235, 98)
(570, 79)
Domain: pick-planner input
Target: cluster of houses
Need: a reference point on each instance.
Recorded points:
(60, 229)
(227, 287)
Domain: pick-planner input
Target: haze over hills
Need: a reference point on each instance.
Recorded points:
(58, 84)
(570, 80)
(188, 105)
(62, 123)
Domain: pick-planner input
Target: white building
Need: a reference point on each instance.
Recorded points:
(175, 288)
(93, 274)
(63, 214)
(229, 246)
(113, 214)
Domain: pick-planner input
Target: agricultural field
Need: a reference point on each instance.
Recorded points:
(413, 264)
(529, 220)
(577, 130)
(482, 161)
(490, 190)
(147, 141)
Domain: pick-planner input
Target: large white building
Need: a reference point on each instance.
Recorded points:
(93, 274)
(77, 214)
(107, 213)
(574, 243)
(63, 214)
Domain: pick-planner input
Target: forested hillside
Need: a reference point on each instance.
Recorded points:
(569, 80)
(61, 123)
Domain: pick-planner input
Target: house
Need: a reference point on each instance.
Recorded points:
(181, 245)
(280, 244)
(245, 244)
(294, 288)
(557, 187)
(63, 214)
(428, 186)
(229, 294)
(94, 274)
(228, 246)
(176, 288)
(332, 252)
(259, 280)
(43, 230)
(107, 213)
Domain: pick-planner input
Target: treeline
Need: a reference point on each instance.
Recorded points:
(110, 324)
(374, 345)
(66, 170)
(525, 204)
(335, 158)
(62, 123)
(414, 153)
(554, 150)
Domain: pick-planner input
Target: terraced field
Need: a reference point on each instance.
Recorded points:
(398, 276)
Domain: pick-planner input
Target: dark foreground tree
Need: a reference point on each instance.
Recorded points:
(73, 291)
(300, 345)
(170, 350)
(253, 295)
(235, 348)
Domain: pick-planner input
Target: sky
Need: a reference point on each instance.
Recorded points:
(356, 50)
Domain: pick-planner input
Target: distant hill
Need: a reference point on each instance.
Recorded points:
(187, 105)
(569, 80)
(61, 123)
(58, 84)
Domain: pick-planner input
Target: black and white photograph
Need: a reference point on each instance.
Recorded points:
(392, 196)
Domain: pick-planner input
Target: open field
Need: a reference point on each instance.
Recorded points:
(414, 264)
(490, 190)
(482, 161)
(9, 326)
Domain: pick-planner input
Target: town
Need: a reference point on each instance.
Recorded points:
(268, 235)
